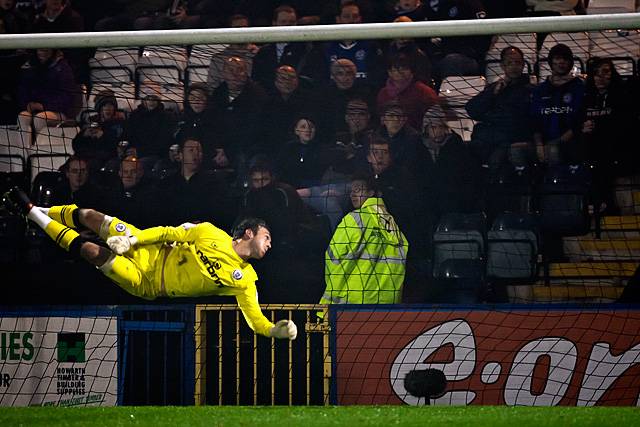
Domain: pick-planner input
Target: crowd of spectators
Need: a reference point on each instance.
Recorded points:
(280, 130)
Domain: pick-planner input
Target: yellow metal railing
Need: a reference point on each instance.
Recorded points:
(276, 372)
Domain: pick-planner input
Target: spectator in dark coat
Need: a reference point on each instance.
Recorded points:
(502, 112)
(150, 129)
(287, 101)
(273, 55)
(610, 120)
(197, 119)
(45, 92)
(195, 194)
(138, 199)
(237, 106)
(59, 17)
(452, 174)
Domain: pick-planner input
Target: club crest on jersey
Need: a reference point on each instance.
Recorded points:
(120, 227)
(567, 98)
(237, 275)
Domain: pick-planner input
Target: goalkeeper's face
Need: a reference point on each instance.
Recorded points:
(260, 243)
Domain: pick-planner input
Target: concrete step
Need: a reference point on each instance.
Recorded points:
(587, 248)
(620, 223)
(589, 292)
(591, 269)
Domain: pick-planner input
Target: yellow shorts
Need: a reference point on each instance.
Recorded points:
(138, 271)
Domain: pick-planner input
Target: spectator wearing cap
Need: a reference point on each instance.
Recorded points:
(503, 134)
(402, 88)
(150, 128)
(556, 108)
(105, 111)
(45, 92)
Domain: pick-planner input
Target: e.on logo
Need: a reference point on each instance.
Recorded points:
(555, 365)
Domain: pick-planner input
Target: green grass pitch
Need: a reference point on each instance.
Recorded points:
(353, 416)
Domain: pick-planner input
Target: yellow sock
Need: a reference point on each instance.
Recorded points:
(62, 235)
(63, 214)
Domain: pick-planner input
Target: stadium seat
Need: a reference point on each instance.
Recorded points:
(625, 66)
(510, 189)
(37, 163)
(12, 163)
(113, 65)
(563, 200)
(617, 44)
(459, 256)
(195, 74)
(162, 64)
(44, 187)
(457, 90)
(512, 247)
(55, 139)
(12, 232)
(200, 54)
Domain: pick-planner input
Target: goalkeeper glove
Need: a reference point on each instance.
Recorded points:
(121, 244)
(284, 329)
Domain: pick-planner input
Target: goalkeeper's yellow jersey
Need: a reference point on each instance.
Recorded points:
(202, 261)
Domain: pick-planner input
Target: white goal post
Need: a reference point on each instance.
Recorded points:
(322, 32)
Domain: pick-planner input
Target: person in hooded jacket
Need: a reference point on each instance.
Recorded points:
(366, 258)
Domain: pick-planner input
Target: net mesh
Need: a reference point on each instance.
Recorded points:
(526, 233)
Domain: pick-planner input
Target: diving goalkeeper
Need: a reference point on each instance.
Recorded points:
(186, 261)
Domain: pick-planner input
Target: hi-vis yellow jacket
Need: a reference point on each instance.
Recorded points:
(365, 260)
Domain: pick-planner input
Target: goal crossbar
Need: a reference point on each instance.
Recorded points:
(321, 32)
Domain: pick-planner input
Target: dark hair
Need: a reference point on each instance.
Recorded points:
(347, 4)
(596, 62)
(402, 60)
(508, 49)
(260, 163)
(369, 180)
(237, 17)
(282, 8)
(561, 50)
(74, 158)
(188, 135)
(250, 223)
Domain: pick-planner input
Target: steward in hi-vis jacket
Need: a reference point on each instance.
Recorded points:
(366, 258)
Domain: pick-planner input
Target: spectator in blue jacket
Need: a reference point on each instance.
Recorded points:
(556, 106)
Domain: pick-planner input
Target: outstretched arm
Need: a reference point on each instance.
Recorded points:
(248, 303)
(184, 233)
